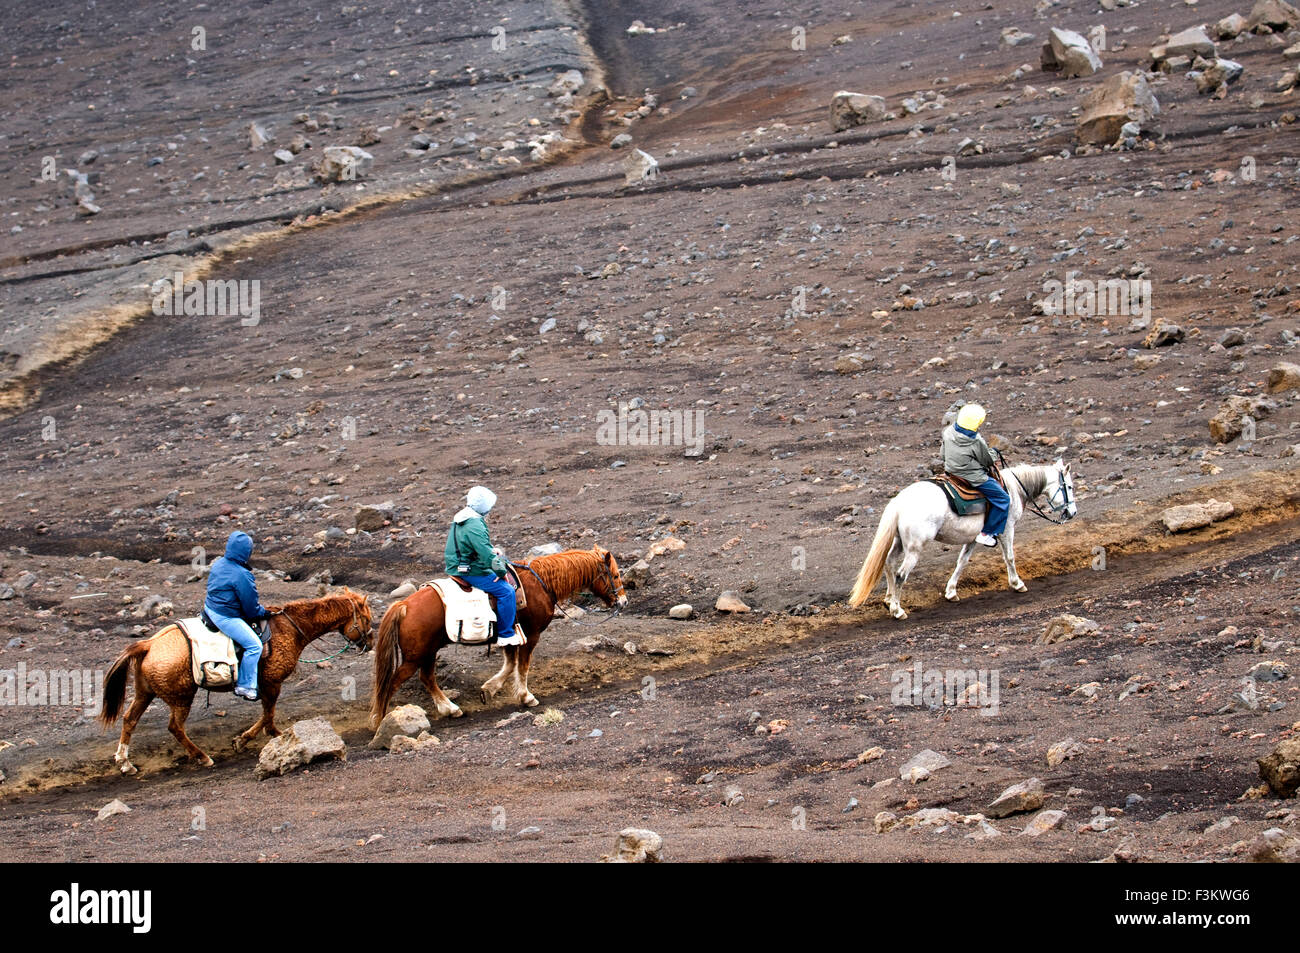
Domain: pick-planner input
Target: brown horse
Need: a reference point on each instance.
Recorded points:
(413, 628)
(163, 667)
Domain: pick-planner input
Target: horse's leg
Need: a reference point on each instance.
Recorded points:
(950, 593)
(521, 671)
(911, 553)
(181, 711)
(267, 721)
(1007, 542)
(891, 599)
(429, 675)
(138, 705)
(489, 689)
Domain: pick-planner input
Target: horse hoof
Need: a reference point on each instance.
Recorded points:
(457, 713)
(128, 768)
(952, 596)
(531, 700)
(1020, 587)
(483, 696)
(206, 762)
(899, 613)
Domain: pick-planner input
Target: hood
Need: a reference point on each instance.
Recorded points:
(465, 514)
(239, 547)
(480, 499)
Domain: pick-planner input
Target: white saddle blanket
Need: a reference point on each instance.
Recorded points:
(214, 663)
(469, 616)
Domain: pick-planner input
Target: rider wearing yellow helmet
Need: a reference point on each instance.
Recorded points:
(967, 455)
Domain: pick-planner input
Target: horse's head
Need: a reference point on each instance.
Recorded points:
(1060, 491)
(608, 584)
(357, 629)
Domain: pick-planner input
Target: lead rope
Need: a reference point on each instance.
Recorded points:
(1028, 499)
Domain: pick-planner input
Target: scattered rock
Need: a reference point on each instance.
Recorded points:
(1272, 16)
(1192, 42)
(404, 590)
(1017, 799)
(1275, 846)
(1283, 377)
(1195, 515)
(621, 140)
(1123, 98)
(401, 744)
(408, 720)
(305, 742)
(375, 516)
(1230, 26)
(1281, 768)
(257, 136)
(1226, 425)
(112, 809)
(855, 109)
(730, 602)
(1214, 75)
(343, 163)
(1070, 53)
(636, 846)
(682, 610)
(1042, 822)
(1063, 628)
(1063, 751)
(639, 167)
(566, 84)
(922, 766)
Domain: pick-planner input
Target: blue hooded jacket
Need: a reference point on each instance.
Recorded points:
(232, 591)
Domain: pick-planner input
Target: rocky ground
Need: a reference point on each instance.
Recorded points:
(806, 301)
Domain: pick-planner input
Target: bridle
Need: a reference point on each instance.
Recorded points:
(1062, 488)
(353, 624)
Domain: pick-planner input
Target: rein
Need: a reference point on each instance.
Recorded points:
(347, 643)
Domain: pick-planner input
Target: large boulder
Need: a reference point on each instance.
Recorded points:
(343, 163)
(307, 741)
(1177, 519)
(636, 846)
(855, 109)
(1281, 768)
(1272, 16)
(1192, 42)
(1025, 796)
(406, 720)
(1283, 377)
(1070, 53)
(1228, 423)
(640, 166)
(374, 516)
(1123, 98)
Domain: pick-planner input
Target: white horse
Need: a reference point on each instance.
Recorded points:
(920, 513)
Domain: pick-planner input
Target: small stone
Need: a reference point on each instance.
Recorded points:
(683, 610)
(1019, 798)
(636, 846)
(1063, 751)
(1177, 519)
(730, 602)
(111, 809)
(1063, 628)
(1044, 821)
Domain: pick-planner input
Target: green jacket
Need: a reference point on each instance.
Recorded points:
(469, 536)
(967, 457)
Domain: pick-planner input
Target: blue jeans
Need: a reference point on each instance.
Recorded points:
(243, 635)
(995, 517)
(505, 594)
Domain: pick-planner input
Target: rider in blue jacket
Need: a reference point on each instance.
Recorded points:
(232, 604)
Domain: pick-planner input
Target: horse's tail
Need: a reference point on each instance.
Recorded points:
(873, 567)
(114, 693)
(387, 652)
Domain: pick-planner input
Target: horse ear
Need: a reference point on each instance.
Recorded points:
(600, 551)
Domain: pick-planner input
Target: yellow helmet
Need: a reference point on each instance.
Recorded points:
(970, 417)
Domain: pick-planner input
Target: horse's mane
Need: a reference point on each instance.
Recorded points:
(566, 572)
(312, 607)
(1033, 476)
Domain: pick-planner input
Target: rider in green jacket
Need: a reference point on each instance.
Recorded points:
(471, 556)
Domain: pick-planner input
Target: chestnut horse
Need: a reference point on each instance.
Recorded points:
(412, 628)
(163, 667)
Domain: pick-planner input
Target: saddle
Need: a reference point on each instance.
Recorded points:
(964, 498)
(214, 656)
(470, 614)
